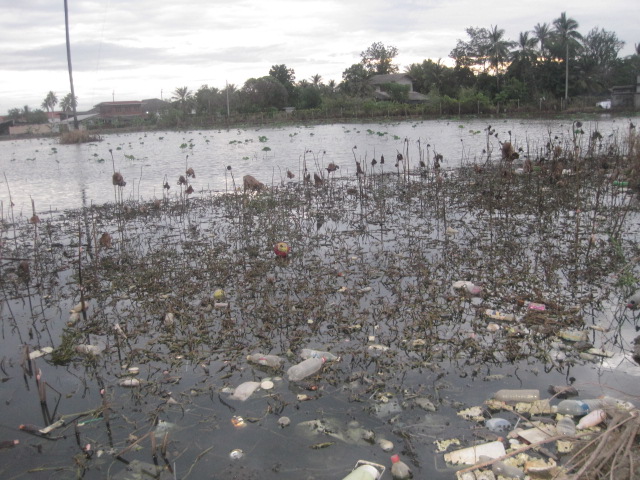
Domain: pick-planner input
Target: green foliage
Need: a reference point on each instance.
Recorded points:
(397, 92)
(513, 89)
(309, 97)
(378, 58)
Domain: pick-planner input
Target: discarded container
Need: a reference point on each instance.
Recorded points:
(505, 470)
(566, 426)
(496, 315)
(466, 286)
(471, 455)
(272, 361)
(305, 368)
(8, 444)
(612, 402)
(573, 335)
(129, 382)
(523, 395)
(572, 407)
(619, 183)
(540, 307)
(592, 419)
(244, 390)
(310, 353)
(87, 349)
(366, 471)
(399, 469)
(218, 295)
(498, 425)
(236, 454)
(281, 249)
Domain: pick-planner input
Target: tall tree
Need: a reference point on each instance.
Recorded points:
(355, 80)
(524, 56)
(497, 50)
(598, 59)
(69, 103)
(378, 58)
(50, 102)
(286, 76)
(542, 33)
(316, 80)
(182, 96)
(566, 30)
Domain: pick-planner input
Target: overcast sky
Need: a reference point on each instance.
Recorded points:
(137, 49)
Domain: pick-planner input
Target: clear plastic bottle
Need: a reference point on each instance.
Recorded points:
(305, 368)
(272, 361)
(399, 469)
(310, 353)
(566, 426)
(363, 472)
(523, 395)
(573, 407)
(612, 402)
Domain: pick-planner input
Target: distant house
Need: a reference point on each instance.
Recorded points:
(108, 110)
(378, 81)
(626, 96)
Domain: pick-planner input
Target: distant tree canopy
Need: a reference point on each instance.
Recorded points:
(550, 62)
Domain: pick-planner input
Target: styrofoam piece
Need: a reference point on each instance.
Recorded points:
(471, 455)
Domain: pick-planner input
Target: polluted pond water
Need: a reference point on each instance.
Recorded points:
(299, 330)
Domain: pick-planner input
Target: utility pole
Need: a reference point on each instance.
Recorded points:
(227, 98)
(73, 94)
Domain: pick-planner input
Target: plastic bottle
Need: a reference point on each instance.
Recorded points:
(566, 426)
(305, 368)
(612, 402)
(399, 469)
(572, 407)
(363, 472)
(272, 361)
(523, 395)
(508, 471)
(310, 353)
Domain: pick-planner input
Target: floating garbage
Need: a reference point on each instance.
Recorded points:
(522, 395)
(39, 353)
(385, 445)
(471, 455)
(284, 422)
(80, 307)
(266, 385)
(236, 454)
(272, 361)
(238, 422)
(498, 425)
(310, 353)
(282, 249)
(496, 315)
(129, 382)
(399, 469)
(465, 286)
(243, 391)
(592, 419)
(566, 426)
(573, 335)
(88, 349)
(366, 471)
(305, 368)
(218, 295)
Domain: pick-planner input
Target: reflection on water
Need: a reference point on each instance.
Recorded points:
(55, 175)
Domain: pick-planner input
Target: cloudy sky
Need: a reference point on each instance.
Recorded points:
(136, 49)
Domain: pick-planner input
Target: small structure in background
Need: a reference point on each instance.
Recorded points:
(379, 81)
(626, 96)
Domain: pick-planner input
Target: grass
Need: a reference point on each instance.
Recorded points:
(78, 136)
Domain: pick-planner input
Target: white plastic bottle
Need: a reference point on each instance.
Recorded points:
(272, 361)
(523, 395)
(363, 472)
(309, 353)
(305, 368)
(399, 469)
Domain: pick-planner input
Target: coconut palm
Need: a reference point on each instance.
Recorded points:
(183, 96)
(68, 103)
(50, 101)
(316, 80)
(566, 30)
(542, 33)
(497, 50)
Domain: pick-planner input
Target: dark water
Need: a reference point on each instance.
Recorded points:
(393, 241)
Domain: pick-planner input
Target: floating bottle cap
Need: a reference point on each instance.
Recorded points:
(395, 458)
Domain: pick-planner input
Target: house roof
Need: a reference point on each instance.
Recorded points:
(389, 78)
(126, 102)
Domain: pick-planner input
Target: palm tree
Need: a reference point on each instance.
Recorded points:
(316, 80)
(567, 31)
(68, 103)
(542, 34)
(525, 54)
(182, 95)
(497, 50)
(49, 102)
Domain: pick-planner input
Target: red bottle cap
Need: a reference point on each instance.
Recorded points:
(395, 458)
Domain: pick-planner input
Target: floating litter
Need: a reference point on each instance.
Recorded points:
(266, 385)
(236, 454)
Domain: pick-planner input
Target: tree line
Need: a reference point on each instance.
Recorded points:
(552, 61)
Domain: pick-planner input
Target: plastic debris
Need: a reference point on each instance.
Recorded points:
(243, 391)
(471, 455)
